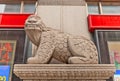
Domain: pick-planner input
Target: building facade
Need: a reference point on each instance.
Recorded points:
(97, 20)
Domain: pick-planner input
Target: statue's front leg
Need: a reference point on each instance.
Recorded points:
(45, 50)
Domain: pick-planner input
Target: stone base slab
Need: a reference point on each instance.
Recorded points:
(64, 72)
(64, 80)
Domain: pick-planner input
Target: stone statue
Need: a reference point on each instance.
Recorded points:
(53, 43)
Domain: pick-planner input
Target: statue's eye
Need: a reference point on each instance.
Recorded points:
(29, 21)
(32, 21)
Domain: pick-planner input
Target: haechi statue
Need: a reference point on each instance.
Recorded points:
(53, 43)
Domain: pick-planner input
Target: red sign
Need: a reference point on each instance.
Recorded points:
(13, 20)
(103, 22)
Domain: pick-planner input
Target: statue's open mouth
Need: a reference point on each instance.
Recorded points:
(32, 26)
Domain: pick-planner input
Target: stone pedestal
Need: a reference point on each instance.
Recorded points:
(64, 72)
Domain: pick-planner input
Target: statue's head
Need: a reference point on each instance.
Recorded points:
(34, 27)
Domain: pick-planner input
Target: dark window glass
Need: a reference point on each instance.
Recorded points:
(108, 43)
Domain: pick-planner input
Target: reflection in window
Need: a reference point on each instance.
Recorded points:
(108, 43)
(2, 7)
(12, 8)
(29, 49)
(111, 8)
(93, 8)
(113, 41)
(29, 8)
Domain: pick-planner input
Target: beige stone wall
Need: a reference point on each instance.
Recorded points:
(75, 20)
(50, 15)
(67, 18)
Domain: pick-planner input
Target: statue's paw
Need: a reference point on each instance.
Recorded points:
(78, 60)
(32, 60)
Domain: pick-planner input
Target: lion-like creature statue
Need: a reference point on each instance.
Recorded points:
(53, 43)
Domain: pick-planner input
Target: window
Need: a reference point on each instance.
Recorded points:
(12, 8)
(20, 7)
(108, 43)
(2, 7)
(111, 8)
(103, 8)
(29, 8)
(93, 8)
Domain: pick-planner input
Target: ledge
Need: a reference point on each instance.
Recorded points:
(70, 72)
(62, 2)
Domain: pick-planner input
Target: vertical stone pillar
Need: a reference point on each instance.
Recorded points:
(67, 15)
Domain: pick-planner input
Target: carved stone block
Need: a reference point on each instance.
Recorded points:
(64, 72)
(52, 43)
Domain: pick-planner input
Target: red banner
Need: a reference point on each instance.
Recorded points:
(103, 22)
(12, 20)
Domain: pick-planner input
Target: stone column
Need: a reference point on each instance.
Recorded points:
(68, 15)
